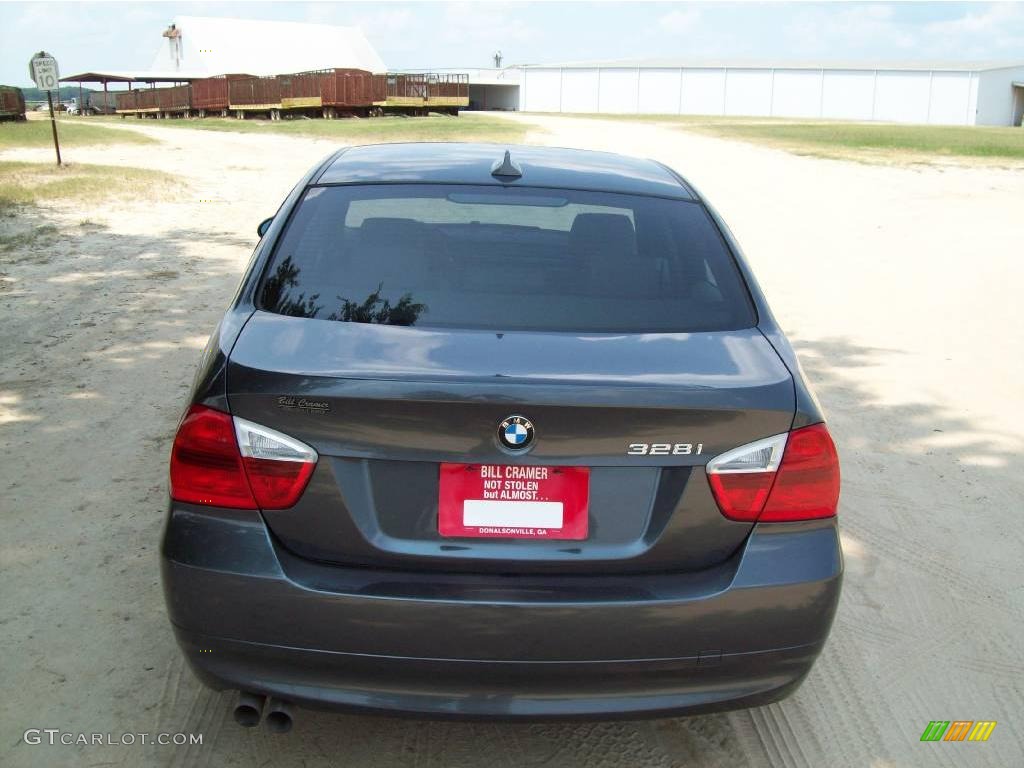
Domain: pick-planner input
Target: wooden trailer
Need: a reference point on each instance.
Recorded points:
(424, 92)
(156, 102)
(12, 103)
(331, 92)
(210, 94)
(253, 95)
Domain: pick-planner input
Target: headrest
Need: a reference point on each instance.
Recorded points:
(602, 232)
(391, 231)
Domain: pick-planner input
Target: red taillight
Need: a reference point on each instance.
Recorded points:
(783, 478)
(807, 483)
(742, 497)
(277, 484)
(206, 467)
(224, 462)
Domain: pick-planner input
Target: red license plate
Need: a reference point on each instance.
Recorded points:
(502, 501)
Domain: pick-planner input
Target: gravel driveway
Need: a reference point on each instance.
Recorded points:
(899, 286)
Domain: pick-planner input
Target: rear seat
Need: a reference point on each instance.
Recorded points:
(604, 247)
(400, 249)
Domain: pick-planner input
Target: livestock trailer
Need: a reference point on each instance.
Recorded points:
(301, 91)
(12, 103)
(425, 91)
(210, 94)
(126, 102)
(331, 91)
(328, 92)
(158, 102)
(101, 102)
(248, 94)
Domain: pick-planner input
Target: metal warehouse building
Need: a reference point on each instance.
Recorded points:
(944, 93)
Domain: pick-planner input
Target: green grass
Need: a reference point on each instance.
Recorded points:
(917, 140)
(28, 183)
(33, 237)
(870, 141)
(362, 130)
(71, 133)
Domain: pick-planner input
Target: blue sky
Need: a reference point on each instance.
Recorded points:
(125, 35)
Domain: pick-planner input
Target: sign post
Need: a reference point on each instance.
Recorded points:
(43, 69)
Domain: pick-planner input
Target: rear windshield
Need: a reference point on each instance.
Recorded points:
(505, 259)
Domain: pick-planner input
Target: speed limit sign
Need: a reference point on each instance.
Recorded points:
(43, 69)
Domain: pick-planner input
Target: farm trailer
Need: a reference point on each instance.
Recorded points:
(332, 92)
(211, 95)
(420, 93)
(156, 102)
(336, 92)
(329, 93)
(12, 103)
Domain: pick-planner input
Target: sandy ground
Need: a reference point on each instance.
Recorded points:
(899, 287)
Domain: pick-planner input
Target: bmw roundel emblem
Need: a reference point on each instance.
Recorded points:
(516, 433)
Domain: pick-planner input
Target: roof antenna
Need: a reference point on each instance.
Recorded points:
(506, 167)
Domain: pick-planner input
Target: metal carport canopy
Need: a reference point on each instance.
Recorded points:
(121, 76)
(126, 76)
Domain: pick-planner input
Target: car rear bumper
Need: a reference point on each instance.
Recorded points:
(251, 616)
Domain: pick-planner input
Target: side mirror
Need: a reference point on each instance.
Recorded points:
(261, 230)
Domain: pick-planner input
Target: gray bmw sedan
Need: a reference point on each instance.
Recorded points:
(500, 432)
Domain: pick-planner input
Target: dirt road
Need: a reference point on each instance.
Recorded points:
(899, 286)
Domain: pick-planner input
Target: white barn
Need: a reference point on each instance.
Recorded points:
(200, 46)
(941, 93)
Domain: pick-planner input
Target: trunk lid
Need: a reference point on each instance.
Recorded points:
(384, 406)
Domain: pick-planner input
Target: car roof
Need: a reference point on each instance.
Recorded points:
(462, 163)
